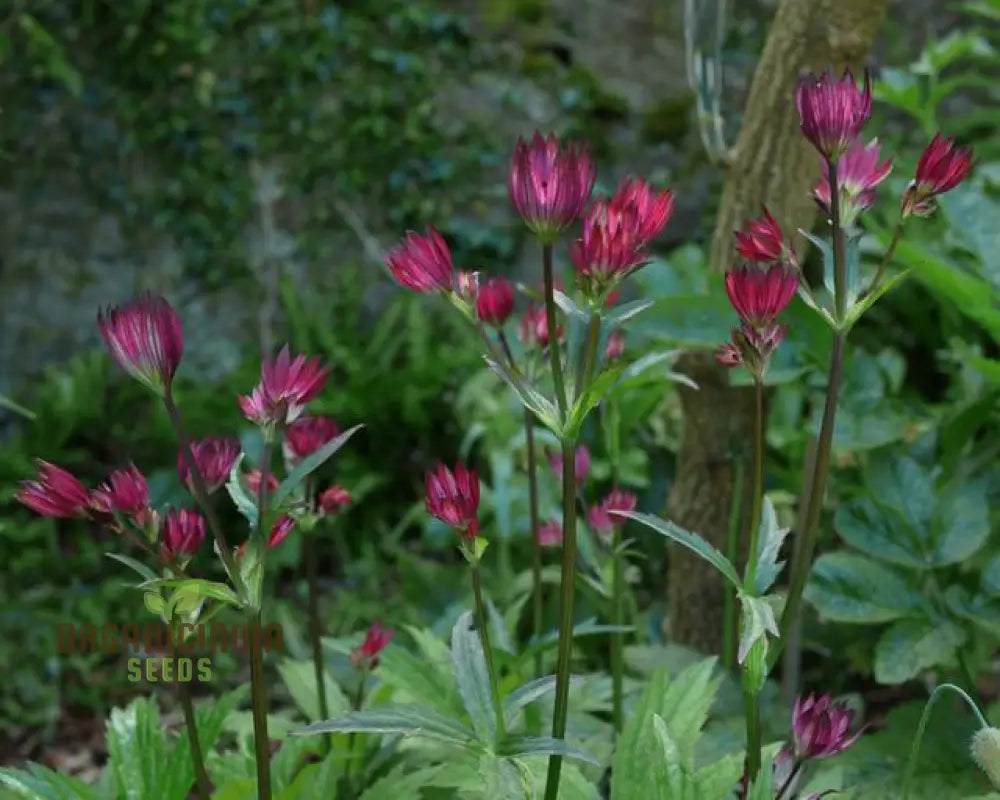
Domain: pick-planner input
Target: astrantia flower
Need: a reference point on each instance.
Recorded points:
(649, 210)
(214, 458)
(332, 500)
(610, 248)
(54, 493)
(125, 492)
(253, 479)
(758, 294)
(549, 184)
(285, 387)
(495, 301)
(307, 435)
(762, 242)
(942, 167)
(581, 462)
(183, 533)
(550, 534)
(422, 263)
(365, 655)
(821, 728)
(832, 111)
(615, 346)
(453, 497)
(144, 337)
(533, 328)
(858, 173)
(601, 519)
(280, 529)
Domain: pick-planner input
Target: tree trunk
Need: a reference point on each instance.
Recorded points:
(771, 164)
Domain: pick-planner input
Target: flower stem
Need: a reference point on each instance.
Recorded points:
(258, 696)
(887, 258)
(201, 492)
(484, 633)
(802, 563)
(565, 614)
(588, 356)
(550, 321)
(315, 629)
(756, 499)
(789, 781)
(732, 546)
(839, 256)
(617, 639)
(356, 703)
(536, 563)
(203, 787)
(752, 712)
(911, 764)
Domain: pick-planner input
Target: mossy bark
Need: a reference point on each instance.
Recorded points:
(770, 164)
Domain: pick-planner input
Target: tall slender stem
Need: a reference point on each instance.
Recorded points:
(484, 633)
(757, 498)
(201, 492)
(588, 357)
(536, 546)
(911, 764)
(729, 621)
(357, 701)
(617, 639)
(258, 698)
(887, 258)
(804, 555)
(555, 360)
(203, 786)
(789, 781)
(315, 629)
(839, 255)
(565, 614)
(752, 712)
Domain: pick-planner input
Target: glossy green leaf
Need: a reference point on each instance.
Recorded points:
(626, 311)
(849, 587)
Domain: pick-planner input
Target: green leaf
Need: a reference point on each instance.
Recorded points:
(626, 311)
(904, 486)
(404, 720)
(855, 311)
(527, 694)
(962, 523)
(200, 588)
(879, 532)
(299, 676)
(472, 678)
(146, 573)
(514, 746)
(991, 578)
(847, 587)
(588, 401)
(763, 788)
(137, 750)
(716, 780)
(530, 397)
(41, 783)
(757, 621)
(400, 783)
(569, 307)
(252, 572)
(10, 405)
(691, 541)
(155, 604)
(769, 540)
(500, 777)
(246, 504)
(310, 464)
(640, 367)
(424, 681)
(912, 645)
(689, 320)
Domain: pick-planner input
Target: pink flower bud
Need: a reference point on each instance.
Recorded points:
(125, 492)
(453, 497)
(286, 386)
(144, 337)
(54, 493)
(365, 656)
(183, 533)
(334, 499)
(495, 302)
(832, 111)
(214, 457)
(550, 534)
(941, 168)
(422, 263)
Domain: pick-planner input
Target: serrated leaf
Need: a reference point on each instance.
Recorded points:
(769, 540)
(880, 532)
(137, 750)
(691, 541)
(527, 694)
(401, 783)
(716, 780)
(855, 311)
(404, 720)
(310, 464)
(847, 587)
(757, 621)
(299, 677)
(422, 681)
(530, 397)
(38, 782)
(472, 677)
(588, 401)
(520, 746)
(626, 311)
(910, 646)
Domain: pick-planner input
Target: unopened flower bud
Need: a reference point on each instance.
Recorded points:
(986, 753)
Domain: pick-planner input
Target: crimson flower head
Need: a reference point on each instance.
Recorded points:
(214, 457)
(832, 111)
(495, 301)
(759, 295)
(549, 184)
(533, 328)
(615, 346)
(144, 336)
(610, 248)
(253, 479)
(365, 655)
(581, 462)
(286, 385)
(280, 529)
(422, 263)
(550, 534)
(762, 242)
(126, 492)
(820, 727)
(453, 497)
(183, 533)
(54, 493)
(858, 173)
(332, 500)
(942, 167)
(601, 519)
(307, 435)
(650, 210)
(752, 347)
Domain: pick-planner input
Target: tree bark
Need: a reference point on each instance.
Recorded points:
(771, 164)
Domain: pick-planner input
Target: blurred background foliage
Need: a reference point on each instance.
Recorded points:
(265, 153)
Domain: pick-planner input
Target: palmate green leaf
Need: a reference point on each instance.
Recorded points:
(520, 746)
(530, 397)
(310, 464)
(37, 782)
(769, 540)
(299, 677)
(501, 777)
(405, 720)
(910, 646)
(472, 677)
(690, 540)
(848, 587)
(980, 610)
